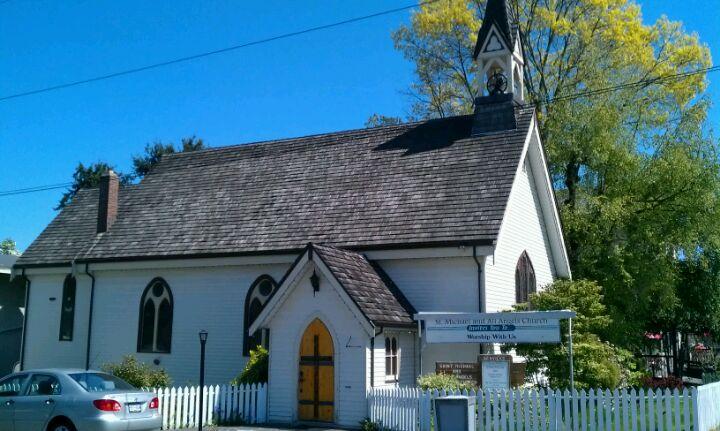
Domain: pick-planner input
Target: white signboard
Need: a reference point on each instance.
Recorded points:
(515, 327)
(496, 375)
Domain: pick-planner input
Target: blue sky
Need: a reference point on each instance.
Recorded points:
(323, 81)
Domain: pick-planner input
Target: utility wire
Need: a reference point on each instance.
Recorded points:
(34, 189)
(589, 93)
(209, 53)
(641, 83)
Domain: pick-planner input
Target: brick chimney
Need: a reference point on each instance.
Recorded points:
(108, 203)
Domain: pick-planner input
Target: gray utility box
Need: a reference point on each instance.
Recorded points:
(455, 413)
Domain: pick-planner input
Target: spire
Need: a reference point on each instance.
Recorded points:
(498, 13)
(499, 56)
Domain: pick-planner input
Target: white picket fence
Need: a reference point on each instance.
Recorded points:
(180, 406)
(410, 409)
(707, 407)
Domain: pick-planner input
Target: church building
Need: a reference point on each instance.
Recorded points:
(322, 248)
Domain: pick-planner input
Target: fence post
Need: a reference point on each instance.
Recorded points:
(697, 419)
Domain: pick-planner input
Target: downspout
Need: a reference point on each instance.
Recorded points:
(481, 288)
(25, 321)
(480, 283)
(372, 356)
(90, 315)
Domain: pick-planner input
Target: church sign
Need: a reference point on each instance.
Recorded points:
(464, 371)
(510, 327)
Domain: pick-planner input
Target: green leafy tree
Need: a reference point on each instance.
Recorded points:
(377, 120)
(636, 175)
(695, 306)
(142, 164)
(8, 246)
(597, 363)
(88, 177)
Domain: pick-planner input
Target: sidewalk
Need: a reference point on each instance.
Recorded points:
(256, 428)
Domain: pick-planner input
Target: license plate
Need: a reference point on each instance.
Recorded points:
(135, 408)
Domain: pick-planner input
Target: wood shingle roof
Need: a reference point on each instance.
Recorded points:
(417, 184)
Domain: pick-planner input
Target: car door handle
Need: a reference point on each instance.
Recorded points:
(9, 403)
(50, 401)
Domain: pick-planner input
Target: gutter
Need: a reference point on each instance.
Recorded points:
(25, 320)
(90, 316)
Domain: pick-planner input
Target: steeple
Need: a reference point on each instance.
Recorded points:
(499, 57)
(499, 53)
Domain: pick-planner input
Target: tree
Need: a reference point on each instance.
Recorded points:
(695, 306)
(597, 363)
(636, 176)
(154, 152)
(377, 120)
(8, 247)
(87, 177)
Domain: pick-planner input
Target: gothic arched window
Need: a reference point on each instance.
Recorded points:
(524, 279)
(258, 295)
(156, 318)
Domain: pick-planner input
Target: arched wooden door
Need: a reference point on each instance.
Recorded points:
(316, 383)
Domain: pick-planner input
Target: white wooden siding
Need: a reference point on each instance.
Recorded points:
(407, 341)
(437, 284)
(523, 229)
(44, 348)
(210, 298)
(351, 344)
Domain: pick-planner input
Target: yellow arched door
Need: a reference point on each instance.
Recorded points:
(316, 387)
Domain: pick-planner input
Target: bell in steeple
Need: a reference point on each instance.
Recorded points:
(499, 53)
(499, 57)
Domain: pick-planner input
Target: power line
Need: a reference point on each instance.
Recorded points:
(210, 53)
(34, 189)
(589, 93)
(642, 82)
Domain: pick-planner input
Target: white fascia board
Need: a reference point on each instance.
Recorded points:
(281, 295)
(195, 263)
(50, 270)
(518, 170)
(424, 253)
(544, 189)
(551, 215)
(386, 254)
(291, 282)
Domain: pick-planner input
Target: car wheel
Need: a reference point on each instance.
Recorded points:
(61, 426)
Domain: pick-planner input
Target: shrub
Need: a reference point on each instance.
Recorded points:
(256, 370)
(368, 425)
(138, 374)
(442, 381)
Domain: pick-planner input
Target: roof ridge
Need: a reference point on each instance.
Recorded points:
(305, 137)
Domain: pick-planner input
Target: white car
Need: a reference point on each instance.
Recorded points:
(75, 400)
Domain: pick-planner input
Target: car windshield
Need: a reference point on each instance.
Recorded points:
(101, 382)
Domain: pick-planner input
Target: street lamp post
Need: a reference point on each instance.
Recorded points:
(203, 338)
